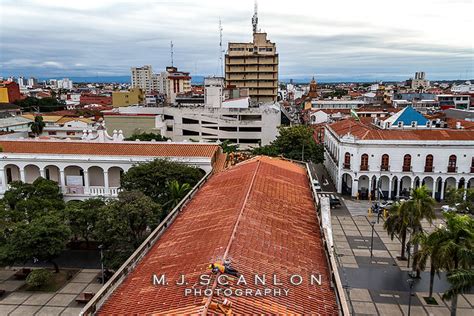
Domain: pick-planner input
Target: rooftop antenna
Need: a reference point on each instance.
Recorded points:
(221, 63)
(172, 61)
(255, 18)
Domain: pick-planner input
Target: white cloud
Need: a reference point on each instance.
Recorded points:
(328, 37)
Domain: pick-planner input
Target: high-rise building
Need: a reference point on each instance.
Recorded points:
(32, 82)
(142, 78)
(177, 82)
(419, 82)
(254, 66)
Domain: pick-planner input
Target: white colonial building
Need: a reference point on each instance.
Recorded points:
(368, 159)
(88, 167)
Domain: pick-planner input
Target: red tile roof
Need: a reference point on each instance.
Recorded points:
(108, 149)
(260, 214)
(364, 130)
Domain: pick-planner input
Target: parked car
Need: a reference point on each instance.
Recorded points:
(316, 185)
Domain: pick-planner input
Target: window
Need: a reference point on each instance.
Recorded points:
(189, 121)
(384, 166)
(347, 161)
(472, 165)
(187, 132)
(250, 117)
(364, 162)
(70, 133)
(407, 163)
(228, 129)
(249, 141)
(9, 175)
(452, 163)
(400, 124)
(51, 133)
(250, 129)
(168, 117)
(429, 163)
(169, 128)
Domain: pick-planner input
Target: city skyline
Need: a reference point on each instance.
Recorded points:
(341, 40)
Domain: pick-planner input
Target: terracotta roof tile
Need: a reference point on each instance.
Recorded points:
(109, 149)
(269, 203)
(364, 130)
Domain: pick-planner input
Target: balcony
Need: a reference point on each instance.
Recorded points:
(452, 169)
(472, 169)
(93, 191)
(406, 168)
(384, 168)
(364, 167)
(346, 166)
(429, 169)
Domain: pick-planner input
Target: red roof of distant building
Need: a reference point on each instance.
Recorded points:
(364, 130)
(260, 213)
(152, 149)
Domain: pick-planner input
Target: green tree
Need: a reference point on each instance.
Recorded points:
(147, 137)
(44, 238)
(152, 178)
(420, 206)
(461, 281)
(397, 223)
(457, 251)
(175, 194)
(430, 246)
(123, 224)
(37, 125)
(82, 217)
(462, 199)
(25, 201)
(295, 142)
(227, 147)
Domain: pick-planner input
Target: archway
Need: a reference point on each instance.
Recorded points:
(428, 183)
(74, 176)
(115, 174)
(32, 173)
(52, 173)
(405, 186)
(346, 184)
(96, 176)
(394, 193)
(12, 173)
(363, 187)
(450, 183)
(383, 186)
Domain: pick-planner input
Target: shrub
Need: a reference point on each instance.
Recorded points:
(38, 277)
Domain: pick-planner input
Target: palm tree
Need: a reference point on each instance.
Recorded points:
(420, 206)
(397, 223)
(37, 125)
(176, 193)
(430, 245)
(461, 280)
(457, 252)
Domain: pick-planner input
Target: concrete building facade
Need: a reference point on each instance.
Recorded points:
(142, 78)
(133, 96)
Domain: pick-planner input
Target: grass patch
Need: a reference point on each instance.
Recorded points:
(57, 281)
(430, 301)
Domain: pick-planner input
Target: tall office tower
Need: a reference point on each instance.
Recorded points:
(254, 66)
(142, 78)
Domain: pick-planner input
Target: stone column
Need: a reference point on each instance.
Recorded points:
(86, 181)
(62, 179)
(370, 188)
(106, 182)
(3, 178)
(441, 194)
(433, 194)
(43, 173)
(389, 189)
(22, 174)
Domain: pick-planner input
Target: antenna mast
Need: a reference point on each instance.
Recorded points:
(255, 18)
(221, 63)
(172, 61)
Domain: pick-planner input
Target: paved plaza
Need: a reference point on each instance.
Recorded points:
(378, 285)
(62, 302)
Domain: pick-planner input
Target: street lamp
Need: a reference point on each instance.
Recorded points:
(101, 248)
(372, 223)
(411, 283)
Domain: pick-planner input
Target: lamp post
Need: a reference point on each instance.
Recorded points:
(372, 223)
(101, 248)
(411, 283)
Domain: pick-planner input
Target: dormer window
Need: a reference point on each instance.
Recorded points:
(400, 124)
(413, 124)
(428, 124)
(388, 125)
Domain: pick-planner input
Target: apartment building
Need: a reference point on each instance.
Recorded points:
(142, 78)
(254, 66)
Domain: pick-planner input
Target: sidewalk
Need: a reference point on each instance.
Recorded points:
(62, 302)
(378, 285)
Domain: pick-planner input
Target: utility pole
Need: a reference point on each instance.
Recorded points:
(221, 51)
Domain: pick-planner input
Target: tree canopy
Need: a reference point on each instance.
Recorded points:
(147, 137)
(152, 178)
(295, 142)
(42, 105)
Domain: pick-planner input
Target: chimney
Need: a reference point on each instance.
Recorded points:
(458, 125)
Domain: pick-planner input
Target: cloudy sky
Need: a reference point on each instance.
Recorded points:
(364, 39)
